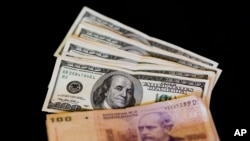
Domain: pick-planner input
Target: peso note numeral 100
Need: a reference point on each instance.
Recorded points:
(61, 119)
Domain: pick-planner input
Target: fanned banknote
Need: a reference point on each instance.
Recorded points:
(97, 34)
(90, 16)
(82, 49)
(111, 40)
(79, 47)
(81, 85)
(183, 119)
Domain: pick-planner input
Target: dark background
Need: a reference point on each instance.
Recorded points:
(218, 31)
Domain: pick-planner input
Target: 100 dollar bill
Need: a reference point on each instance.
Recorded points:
(92, 17)
(81, 48)
(170, 70)
(99, 37)
(84, 48)
(185, 118)
(81, 85)
(110, 39)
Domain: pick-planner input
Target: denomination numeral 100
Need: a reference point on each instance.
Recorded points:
(60, 119)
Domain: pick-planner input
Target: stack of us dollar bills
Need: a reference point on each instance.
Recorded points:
(108, 76)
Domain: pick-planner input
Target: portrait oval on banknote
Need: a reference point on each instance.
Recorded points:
(116, 90)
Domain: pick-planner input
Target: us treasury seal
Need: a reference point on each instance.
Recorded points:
(74, 87)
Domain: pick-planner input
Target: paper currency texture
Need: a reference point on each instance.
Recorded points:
(183, 119)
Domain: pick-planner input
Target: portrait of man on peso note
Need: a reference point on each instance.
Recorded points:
(156, 126)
